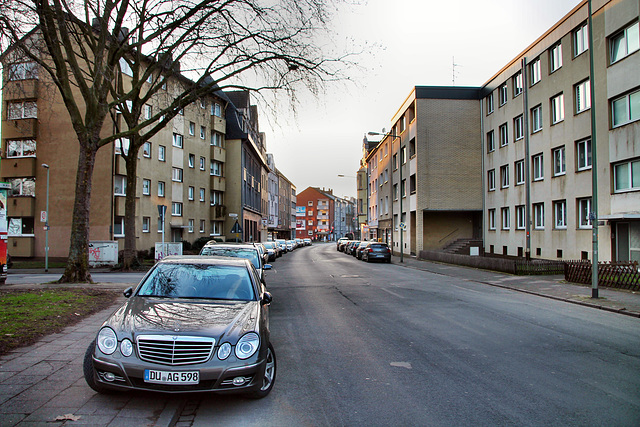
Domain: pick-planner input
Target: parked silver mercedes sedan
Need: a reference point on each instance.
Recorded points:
(192, 324)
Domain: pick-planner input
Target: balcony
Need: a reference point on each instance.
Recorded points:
(22, 206)
(23, 246)
(18, 167)
(23, 128)
(20, 89)
(218, 212)
(218, 153)
(218, 183)
(218, 124)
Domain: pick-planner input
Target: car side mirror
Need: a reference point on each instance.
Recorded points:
(128, 292)
(266, 298)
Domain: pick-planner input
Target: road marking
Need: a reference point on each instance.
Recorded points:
(406, 365)
(392, 293)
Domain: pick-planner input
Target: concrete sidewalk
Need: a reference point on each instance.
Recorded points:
(44, 381)
(614, 300)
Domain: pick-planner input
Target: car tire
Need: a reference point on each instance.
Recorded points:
(269, 377)
(90, 372)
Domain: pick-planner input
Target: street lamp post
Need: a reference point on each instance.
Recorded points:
(401, 224)
(46, 224)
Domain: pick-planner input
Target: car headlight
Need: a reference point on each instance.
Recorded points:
(224, 351)
(107, 341)
(247, 345)
(126, 347)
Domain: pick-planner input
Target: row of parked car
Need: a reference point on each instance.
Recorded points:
(194, 323)
(365, 250)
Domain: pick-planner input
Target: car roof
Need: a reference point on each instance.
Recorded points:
(235, 245)
(207, 260)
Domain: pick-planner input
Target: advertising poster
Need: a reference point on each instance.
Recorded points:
(301, 210)
(4, 191)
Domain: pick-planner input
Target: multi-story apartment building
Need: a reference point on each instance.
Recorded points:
(323, 216)
(274, 198)
(424, 176)
(285, 228)
(539, 149)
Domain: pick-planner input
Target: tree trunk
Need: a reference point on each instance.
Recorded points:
(77, 270)
(129, 258)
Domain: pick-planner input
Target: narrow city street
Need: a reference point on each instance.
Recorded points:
(380, 344)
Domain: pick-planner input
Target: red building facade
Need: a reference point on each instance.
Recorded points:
(315, 214)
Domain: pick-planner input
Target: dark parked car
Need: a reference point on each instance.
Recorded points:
(377, 251)
(351, 247)
(192, 324)
(362, 246)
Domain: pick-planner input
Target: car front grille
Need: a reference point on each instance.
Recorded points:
(175, 350)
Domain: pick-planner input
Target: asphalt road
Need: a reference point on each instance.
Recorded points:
(380, 344)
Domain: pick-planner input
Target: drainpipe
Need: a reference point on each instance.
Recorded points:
(593, 216)
(527, 160)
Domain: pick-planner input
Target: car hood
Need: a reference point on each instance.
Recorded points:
(145, 315)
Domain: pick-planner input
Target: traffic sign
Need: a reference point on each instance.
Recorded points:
(236, 228)
(402, 226)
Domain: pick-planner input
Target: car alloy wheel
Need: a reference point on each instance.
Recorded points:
(269, 376)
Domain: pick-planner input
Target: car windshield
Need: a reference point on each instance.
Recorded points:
(250, 254)
(198, 281)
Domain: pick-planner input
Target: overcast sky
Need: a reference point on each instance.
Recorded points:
(417, 42)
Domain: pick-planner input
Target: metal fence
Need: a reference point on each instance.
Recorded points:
(621, 275)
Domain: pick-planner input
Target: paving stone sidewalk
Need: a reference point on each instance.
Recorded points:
(44, 381)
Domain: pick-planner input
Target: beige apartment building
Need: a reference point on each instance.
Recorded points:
(425, 174)
(538, 149)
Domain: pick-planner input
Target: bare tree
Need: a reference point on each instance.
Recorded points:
(111, 57)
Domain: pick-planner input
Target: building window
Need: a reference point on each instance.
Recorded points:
(23, 71)
(490, 103)
(22, 110)
(176, 209)
(176, 174)
(521, 217)
(626, 176)
(192, 161)
(160, 189)
(518, 128)
(203, 132)
(560, 214)
(557, 108)
(216, 139)
(119, 185)
(310, 212)
(503, 94)
(559, 167)
(118, 226)
(504, 176)
(536, 119)
(191, 225)
(160, 224)
(538, 215)
(202, 162)
(584, 209)
(310, 222)
(506, 218)
(412, 184)
(625, 109)
(203, 104)
(491, 143)
(20, 226)
(504, 135)
(216, 168)
(192, 128)
(583, 154)
(555, 57)
(492, 219)
(491, 180)
(310, 203)
(536, 75)
(216, 110)
(146, 224)
(216, 228)
(146, 149)
(121, 146)
(147, 112)
(202, 194)
(624, 43)
(162, 153)
(216, 197)
(517, 84)
(192, 192)
(177, 140)
(23, 148)
(146, 187)
(519, 172)
(403, 188)
(580, 39)
(538, 167)
(583, 96)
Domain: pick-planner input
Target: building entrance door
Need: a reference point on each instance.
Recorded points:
(622, 239)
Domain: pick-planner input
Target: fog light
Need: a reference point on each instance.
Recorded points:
(238, 381)
(108, 376)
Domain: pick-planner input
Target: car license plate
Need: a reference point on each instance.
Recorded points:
(165, 377)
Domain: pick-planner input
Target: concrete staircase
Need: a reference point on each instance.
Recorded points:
(461, 246)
